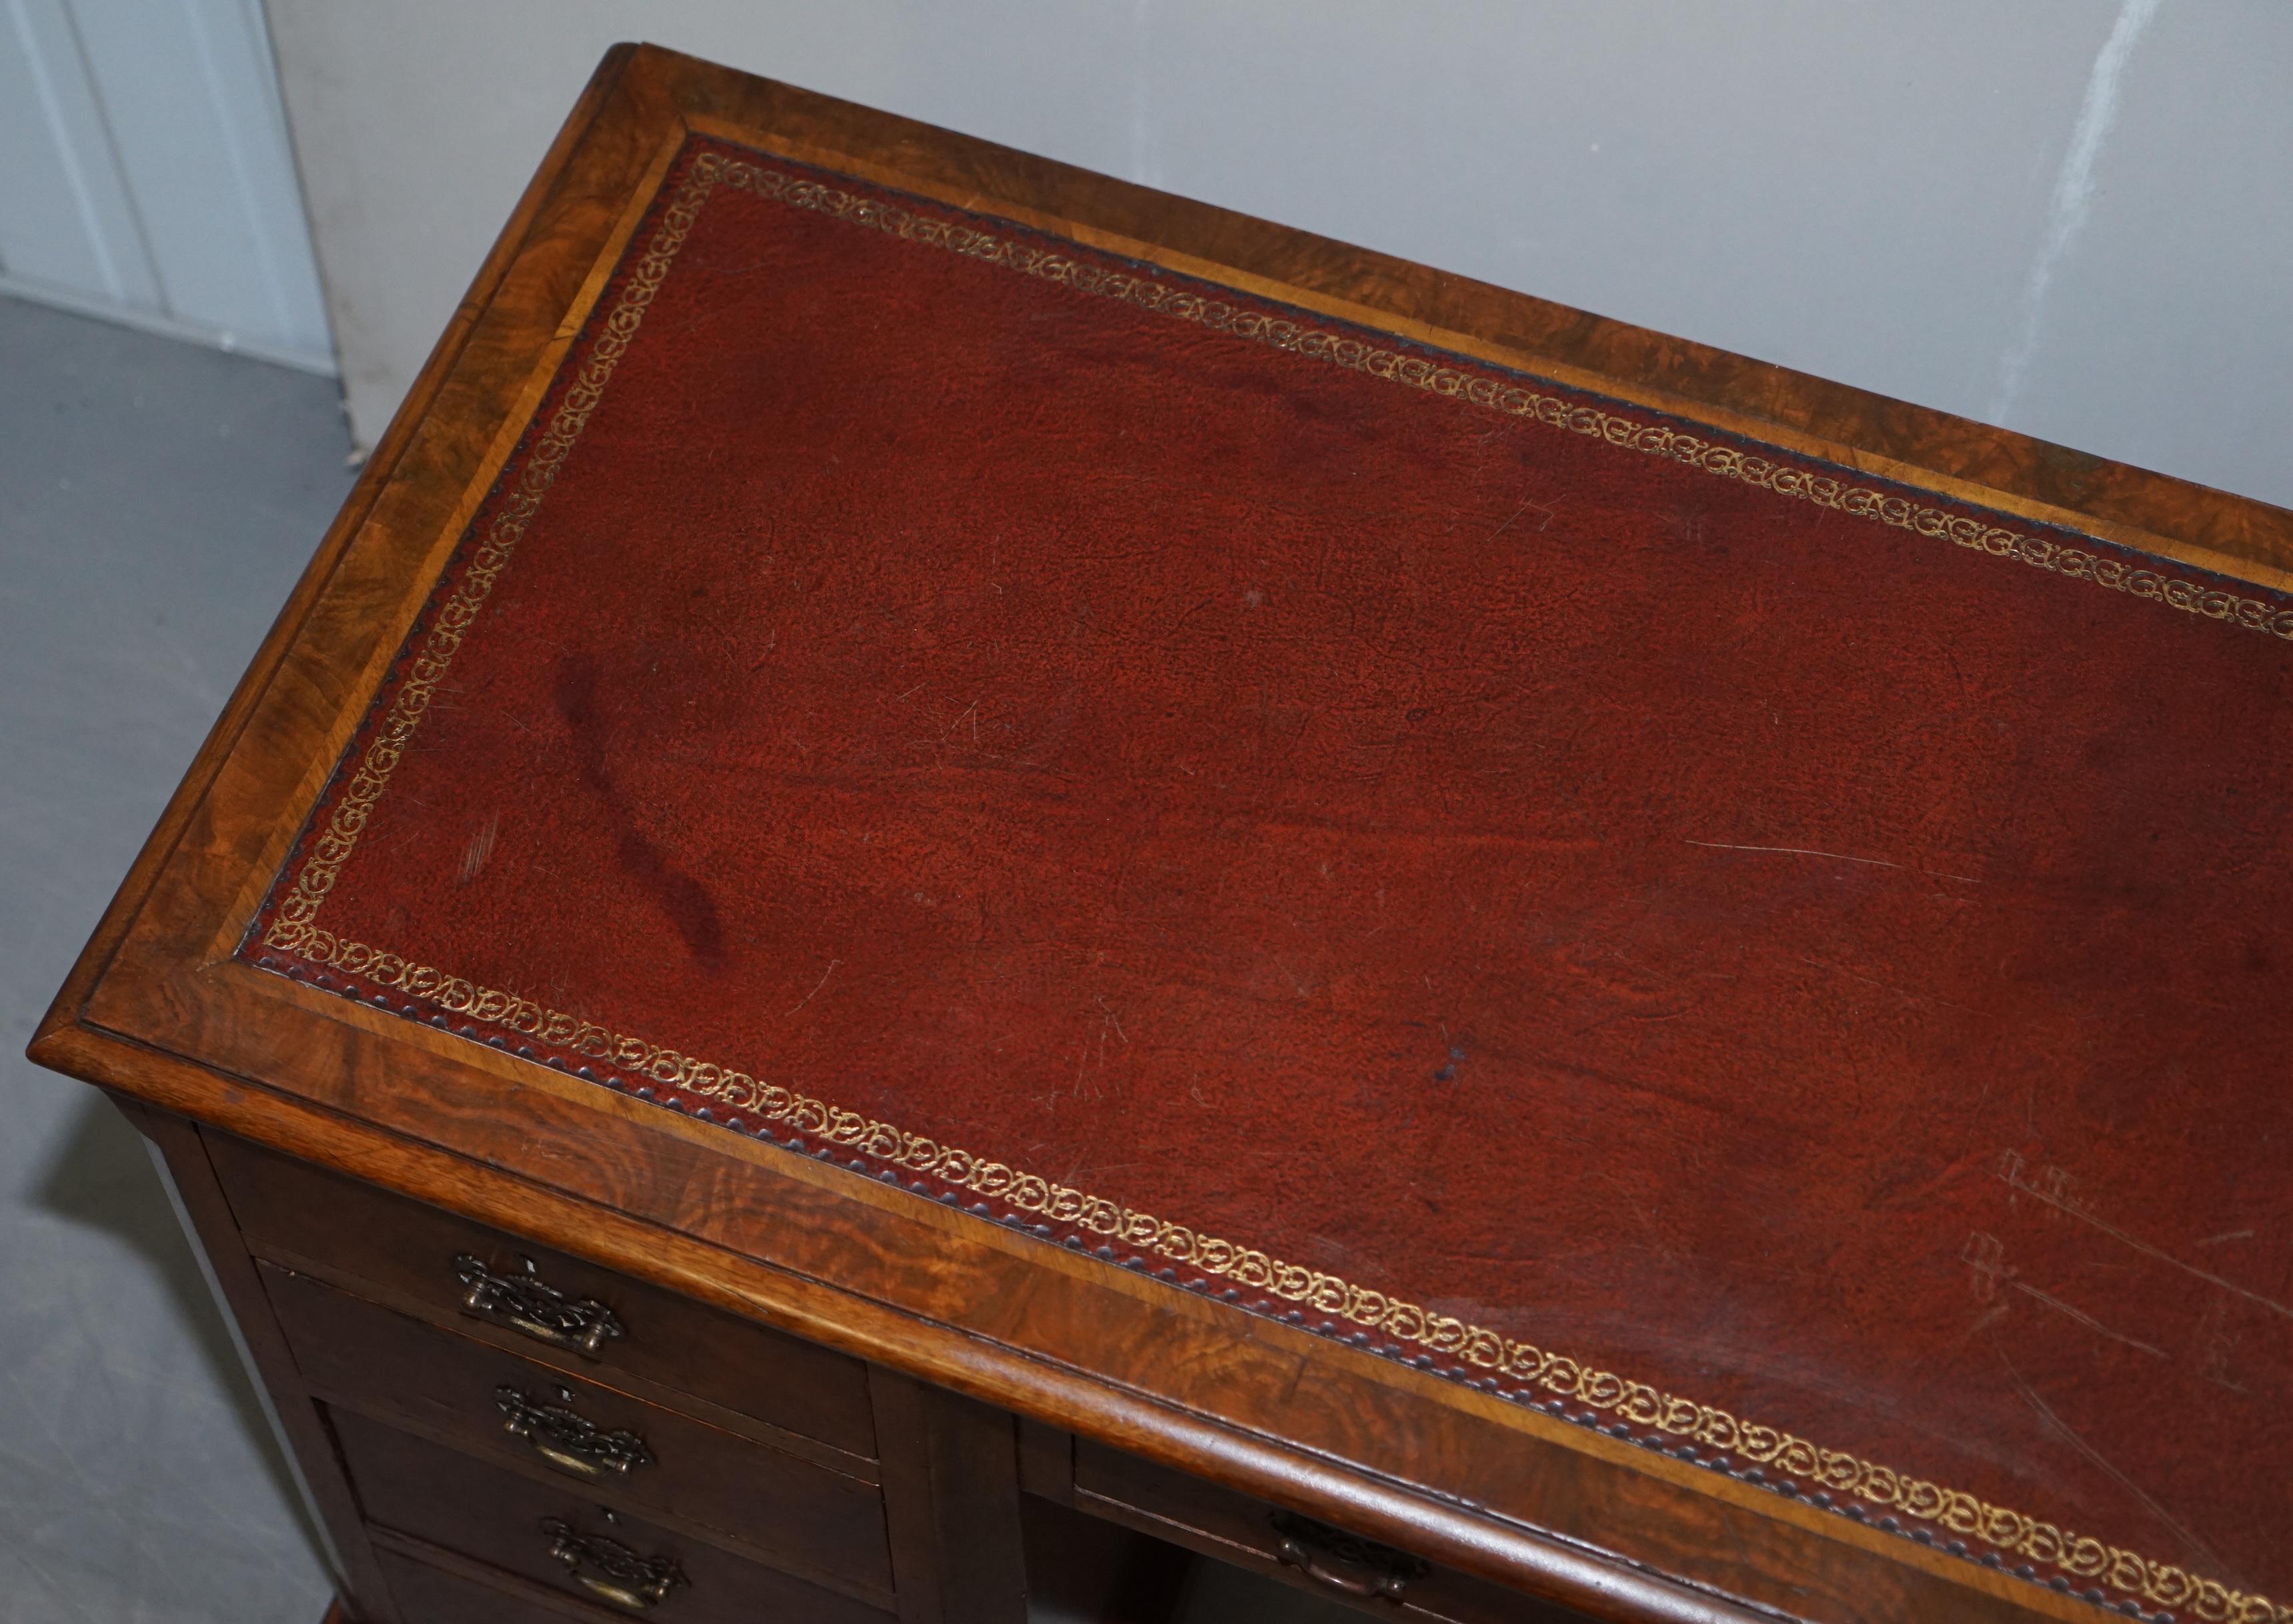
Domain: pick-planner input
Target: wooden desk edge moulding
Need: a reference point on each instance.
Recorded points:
(212, 995)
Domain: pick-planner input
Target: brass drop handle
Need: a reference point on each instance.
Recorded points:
(622, 1577)
(526, 1304)
(619, 1595)
(1345, 1562)
(564, 1462)
(568, 1439)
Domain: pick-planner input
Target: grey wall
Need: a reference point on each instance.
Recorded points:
(2072, 216)
(145, 176)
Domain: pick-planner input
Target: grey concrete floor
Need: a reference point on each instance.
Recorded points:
(157, 501)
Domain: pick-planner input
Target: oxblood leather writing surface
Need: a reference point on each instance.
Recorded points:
(1725, 947)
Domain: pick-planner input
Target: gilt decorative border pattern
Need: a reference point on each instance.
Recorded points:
(1496, 394)
(513, 513)
(1476, 1351)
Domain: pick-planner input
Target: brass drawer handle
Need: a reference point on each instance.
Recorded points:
(528, 1305)
(568, 1439)
(1343, 1561)
(622, 1577)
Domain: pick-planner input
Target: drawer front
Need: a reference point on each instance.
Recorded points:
(454, 1267)
(565, 1540)
(425, 1595)
(1237, 1528)
(635, 1454)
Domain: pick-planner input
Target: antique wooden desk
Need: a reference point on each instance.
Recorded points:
(950, 861)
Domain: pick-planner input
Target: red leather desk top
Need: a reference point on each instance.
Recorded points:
(1693, 939)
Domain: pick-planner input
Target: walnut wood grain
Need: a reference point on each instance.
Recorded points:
(287, 1209)
(417, 1487)
(155, 1010)
(818, 1524)
(1237, 1529)
(952, 1503)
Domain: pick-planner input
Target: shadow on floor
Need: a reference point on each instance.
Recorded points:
(104, 1179)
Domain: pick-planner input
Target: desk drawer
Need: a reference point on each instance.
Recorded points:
(564, 1539)
(637, 1455)
(1236, 1527)
(299, 1215)
(425, 1595)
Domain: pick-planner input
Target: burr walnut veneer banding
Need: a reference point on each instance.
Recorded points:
(947, 829)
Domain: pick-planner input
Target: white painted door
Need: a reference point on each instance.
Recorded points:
(145, 173)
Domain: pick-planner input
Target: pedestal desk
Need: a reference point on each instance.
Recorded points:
(957, 879)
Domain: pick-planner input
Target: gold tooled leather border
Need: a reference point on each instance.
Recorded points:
(1484, 1350)
(294, 929)
(1784, 476)
(513, 512)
